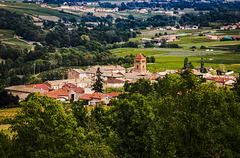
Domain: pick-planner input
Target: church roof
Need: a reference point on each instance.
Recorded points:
(140, 56)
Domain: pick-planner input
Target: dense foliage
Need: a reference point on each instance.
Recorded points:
(176, 117)
(22, 25)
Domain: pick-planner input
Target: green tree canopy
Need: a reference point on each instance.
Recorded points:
(43, 129)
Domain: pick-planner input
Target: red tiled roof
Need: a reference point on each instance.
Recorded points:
(71, 85)
(140, 56)
(115, 81)
(211, 78)
(154, 78)
(97, 95)
(58, 93)
(86, 97)
(222, 80)
(114, 94)
(38, 86)
(78, 89)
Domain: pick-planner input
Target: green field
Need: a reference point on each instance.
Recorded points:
(7, 113)
(198, 41)
(7, 37)
(122, 52)
(228, 32)
(167, 58)
(192, 39)
(35, 9)
(5, 34)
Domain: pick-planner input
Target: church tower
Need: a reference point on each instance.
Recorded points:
(140, 64)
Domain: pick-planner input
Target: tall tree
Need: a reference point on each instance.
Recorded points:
(43, 129)
(98, 85)
(185, 63)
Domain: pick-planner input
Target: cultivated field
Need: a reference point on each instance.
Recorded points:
(7, 114)
(9, 37)
(167, 58)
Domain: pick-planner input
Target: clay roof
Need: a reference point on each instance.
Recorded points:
(23, 88)
(78, 89)
(140, 56)
(222, 80)
(38, 86)
(58, 93)
(114, 94)
(115, 81)
(97, 95)
(154, 78)
(211, 78)
(86, 97)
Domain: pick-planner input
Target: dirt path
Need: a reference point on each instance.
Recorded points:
(17, 37)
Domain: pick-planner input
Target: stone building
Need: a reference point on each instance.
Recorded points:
(140, 64)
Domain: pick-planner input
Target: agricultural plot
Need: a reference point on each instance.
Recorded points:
(228, 32)
(8, 37)
(5, 114)
(122, 52)
(198, 41)
(167, 58)
(6, 34)
(192, 39)
(35, 9)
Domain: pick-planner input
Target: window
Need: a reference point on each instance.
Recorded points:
(137, 66)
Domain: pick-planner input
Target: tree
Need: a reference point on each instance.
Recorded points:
(80, 113)
(236, 88)
(142, 86)
(7, 99)
(185, 63)
(5, 145)
(132, 122)
(43, 129)
(98, 85)
(203, 69)
(152, 59)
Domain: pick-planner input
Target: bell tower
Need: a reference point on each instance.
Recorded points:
(140, 64)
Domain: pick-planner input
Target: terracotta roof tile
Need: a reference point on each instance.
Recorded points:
(78, 89)
(86, 97)
(154, 78)
(114, 94)
(222, 80)
(38, 86)
(140, 56)
(115, 81)
(97, 95)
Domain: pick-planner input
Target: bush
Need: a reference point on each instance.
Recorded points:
(203, 47)
(172, 46)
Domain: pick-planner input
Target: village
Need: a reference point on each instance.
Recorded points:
(78, 86)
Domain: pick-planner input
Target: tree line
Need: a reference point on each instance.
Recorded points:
(176, 117)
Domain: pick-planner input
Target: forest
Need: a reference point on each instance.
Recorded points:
(176, 117)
